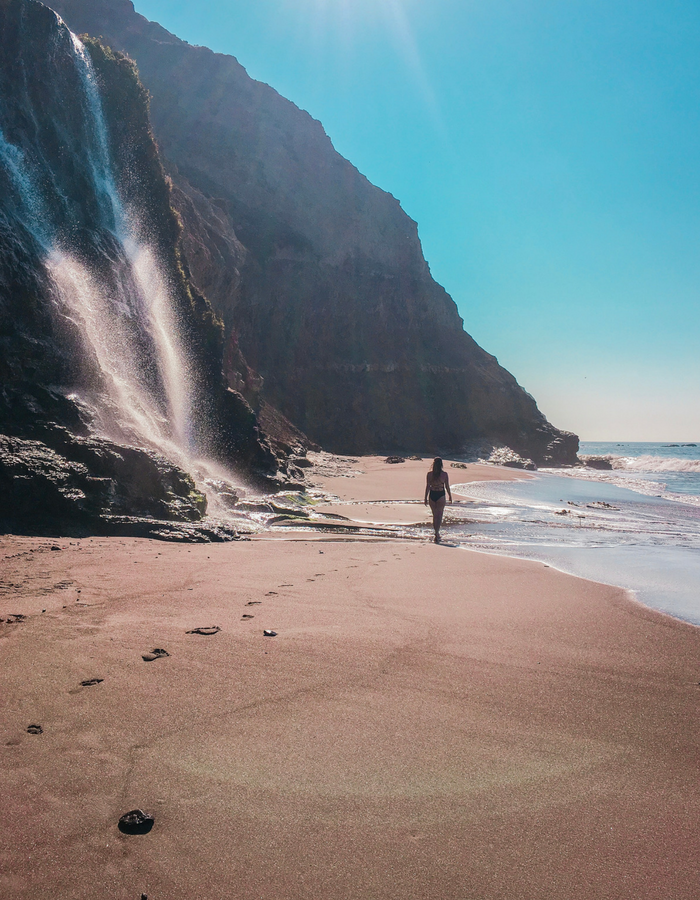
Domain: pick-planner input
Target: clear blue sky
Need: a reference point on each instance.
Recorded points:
(549, 151)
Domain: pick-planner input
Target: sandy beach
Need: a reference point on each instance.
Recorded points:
(428, 722)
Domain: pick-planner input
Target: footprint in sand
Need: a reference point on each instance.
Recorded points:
(207, 629)
(156, 653)
(254, 603)
(247, 616)
(35, 729)
(270, 593)
(90, 681)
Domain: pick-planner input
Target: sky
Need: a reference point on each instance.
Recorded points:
(549, 152)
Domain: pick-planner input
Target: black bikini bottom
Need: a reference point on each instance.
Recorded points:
(436, 495)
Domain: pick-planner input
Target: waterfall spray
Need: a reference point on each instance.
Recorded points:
(85, 215)
(29, 199)
(99, 154)
(152, 296)
(122, 309)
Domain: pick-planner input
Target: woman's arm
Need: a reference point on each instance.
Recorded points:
(427, 488)
(447, 485)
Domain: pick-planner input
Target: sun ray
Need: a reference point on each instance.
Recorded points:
(344, 25)
(400, 28)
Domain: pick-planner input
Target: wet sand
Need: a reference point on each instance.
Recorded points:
(428, 722)
(392, 494)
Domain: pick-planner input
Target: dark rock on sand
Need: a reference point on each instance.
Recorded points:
(136, 822)
(35, 729)
(85, 481)
(176, 532)
(156, 653)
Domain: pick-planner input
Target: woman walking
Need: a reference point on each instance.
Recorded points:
(436, 484)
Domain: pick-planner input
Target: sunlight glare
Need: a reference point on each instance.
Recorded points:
(345, 25)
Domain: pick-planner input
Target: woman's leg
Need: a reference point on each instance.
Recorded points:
(437, 508)
(437, 516)
(433, 510)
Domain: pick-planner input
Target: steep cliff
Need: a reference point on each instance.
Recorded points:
(110, 359)
(326, 293)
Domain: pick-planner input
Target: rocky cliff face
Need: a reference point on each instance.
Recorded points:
(318, 275)
(110, 359)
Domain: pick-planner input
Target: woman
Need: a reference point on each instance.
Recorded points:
(436, 484)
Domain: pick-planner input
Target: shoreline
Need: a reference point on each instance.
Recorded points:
(396, 510)
(647, 545)
(424, 723)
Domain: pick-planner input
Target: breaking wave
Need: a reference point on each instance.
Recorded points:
(650, 464)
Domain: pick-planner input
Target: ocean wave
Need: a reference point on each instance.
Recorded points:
(638, 485)
(650, 464)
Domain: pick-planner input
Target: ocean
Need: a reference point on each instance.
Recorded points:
(636, 525)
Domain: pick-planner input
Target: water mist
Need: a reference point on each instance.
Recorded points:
(121, 308)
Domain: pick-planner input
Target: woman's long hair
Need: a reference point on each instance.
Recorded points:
(437, 468)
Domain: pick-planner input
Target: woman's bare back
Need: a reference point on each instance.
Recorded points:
(439, 483)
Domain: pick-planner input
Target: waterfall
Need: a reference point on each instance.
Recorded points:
(27, 195)
(139, 386)
(99, 154)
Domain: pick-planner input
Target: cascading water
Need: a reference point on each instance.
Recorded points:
(95, 313)
(142, 295)
(121, 308)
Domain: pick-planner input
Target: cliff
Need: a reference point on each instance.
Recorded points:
(110, 359)
(318, 276)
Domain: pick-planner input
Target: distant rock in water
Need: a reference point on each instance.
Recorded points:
(597, 462)
(110, 360)
(504, 456)
(330, 311)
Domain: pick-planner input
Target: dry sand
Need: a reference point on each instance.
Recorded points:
(428, 723)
